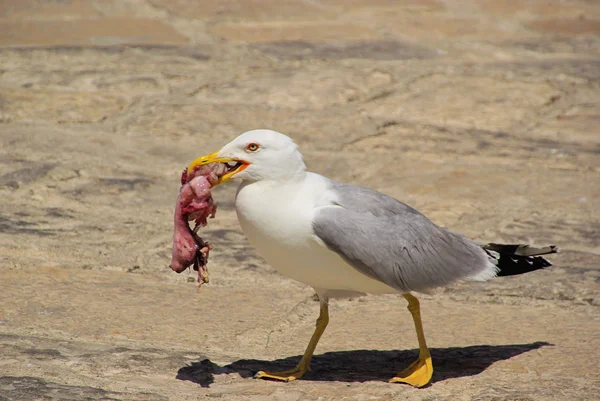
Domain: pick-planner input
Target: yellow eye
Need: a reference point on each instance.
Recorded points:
(252, 147)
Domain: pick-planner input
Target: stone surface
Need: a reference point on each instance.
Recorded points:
(88, 32)
(483, 115)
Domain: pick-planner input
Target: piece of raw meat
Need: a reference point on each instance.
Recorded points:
(194, 203)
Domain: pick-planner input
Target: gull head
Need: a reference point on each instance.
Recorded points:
(257, 155)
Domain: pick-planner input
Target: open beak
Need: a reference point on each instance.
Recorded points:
(234, 166)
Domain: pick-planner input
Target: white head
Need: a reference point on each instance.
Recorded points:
(258, 155)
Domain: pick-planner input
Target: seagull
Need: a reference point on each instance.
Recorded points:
(340, 238)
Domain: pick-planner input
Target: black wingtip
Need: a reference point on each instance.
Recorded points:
(513, 259)
(514, 265)
(521, 249)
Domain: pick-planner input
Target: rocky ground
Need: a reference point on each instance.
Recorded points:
(484, 115)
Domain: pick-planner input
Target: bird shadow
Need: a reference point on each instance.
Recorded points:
(366, 365)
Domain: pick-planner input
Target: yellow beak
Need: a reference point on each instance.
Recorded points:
(214, 158)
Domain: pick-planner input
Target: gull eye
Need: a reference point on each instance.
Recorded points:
(252, 147)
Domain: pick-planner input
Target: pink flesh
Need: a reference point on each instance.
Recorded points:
(194, 203)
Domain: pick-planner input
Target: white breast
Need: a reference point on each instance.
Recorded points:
(277, 219)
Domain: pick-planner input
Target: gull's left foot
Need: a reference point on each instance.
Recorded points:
(418, 374)
(286, 376)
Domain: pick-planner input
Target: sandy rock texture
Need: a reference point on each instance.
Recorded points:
(484, 115)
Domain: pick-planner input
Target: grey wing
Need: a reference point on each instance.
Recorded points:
(391, 242)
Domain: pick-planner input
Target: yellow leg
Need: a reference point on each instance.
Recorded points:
(419, 373)
(304, 364)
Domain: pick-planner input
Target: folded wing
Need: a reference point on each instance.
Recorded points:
(389, 241)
